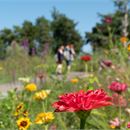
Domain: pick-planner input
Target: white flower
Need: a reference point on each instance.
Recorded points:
(24, 79)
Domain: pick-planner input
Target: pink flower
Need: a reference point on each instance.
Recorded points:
(128, 125)
(108, 20)
(82, 101)
(107, 63)
(115, 123)
(86, 58)
(117, 87)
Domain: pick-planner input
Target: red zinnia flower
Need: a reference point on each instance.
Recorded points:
(82, 101)
(117, 87)
(86, 58)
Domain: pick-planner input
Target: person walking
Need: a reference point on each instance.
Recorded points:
(72, 52)
(59, 59)
(69, 54)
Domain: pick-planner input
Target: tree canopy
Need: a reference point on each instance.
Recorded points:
(111, 27)
(35, 36)
(64, 31)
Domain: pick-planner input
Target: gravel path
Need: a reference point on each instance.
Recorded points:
(8, 86)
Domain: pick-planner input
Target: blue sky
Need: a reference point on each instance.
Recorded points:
(14, 12)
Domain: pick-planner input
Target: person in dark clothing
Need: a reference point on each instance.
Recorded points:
(59, 59)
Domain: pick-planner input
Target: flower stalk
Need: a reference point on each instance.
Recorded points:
(46, 127)
(83, 115)
(82, 123)
(86, 67)
(119, 107)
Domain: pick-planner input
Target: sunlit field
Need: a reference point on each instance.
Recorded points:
(39, 88)
(55, 77)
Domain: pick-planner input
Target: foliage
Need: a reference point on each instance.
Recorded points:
(96, 77)
(103, 33)
(43, 31)
(64, 31)
(106, 33)
(36, 36)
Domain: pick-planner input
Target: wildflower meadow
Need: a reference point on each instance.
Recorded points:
(48, 81)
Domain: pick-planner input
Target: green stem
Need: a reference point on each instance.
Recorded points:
(119, 108)
(110, 37)
(46, 127)
(43, 106)
(82, 123)
(120, 112)
(83, 115)
(86, 67)
(30, 103)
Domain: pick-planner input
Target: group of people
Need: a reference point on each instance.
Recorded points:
(66, 53)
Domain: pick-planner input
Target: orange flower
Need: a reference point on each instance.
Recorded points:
(75, 80)
(123, 39)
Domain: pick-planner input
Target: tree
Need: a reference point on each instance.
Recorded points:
(28, 33)
(102, 32)
(43, 32)
(64, 31)
(6, 37)
(122, 6)
(111, 27)
(17, 30)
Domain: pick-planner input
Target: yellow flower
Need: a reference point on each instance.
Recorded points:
(128, 47)
(41, 95)
(16, 113)
(42, 118)
(112, 126)
(23, 123)
(25, 113)
(123, 39)
(74, 80)
(19, 107)
(31, 87)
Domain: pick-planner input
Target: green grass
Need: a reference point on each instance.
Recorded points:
(22, 65)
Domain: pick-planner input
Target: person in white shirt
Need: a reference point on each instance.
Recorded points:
(69, 54)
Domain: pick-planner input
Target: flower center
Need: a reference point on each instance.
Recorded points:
(23, 123)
